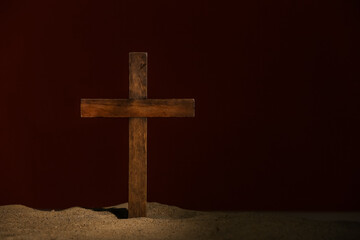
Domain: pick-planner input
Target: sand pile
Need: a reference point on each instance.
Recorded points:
(166, 222)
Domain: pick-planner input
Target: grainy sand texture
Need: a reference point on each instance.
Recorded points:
(167, 222)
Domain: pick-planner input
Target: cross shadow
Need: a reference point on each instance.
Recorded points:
(120, 213)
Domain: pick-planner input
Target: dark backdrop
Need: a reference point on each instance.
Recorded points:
(276, 85)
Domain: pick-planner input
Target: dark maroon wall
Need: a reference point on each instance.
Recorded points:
(277, 94)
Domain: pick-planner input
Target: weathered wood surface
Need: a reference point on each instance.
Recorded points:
(137, 107)
(137, 138)
(137, 75)
(137, 167)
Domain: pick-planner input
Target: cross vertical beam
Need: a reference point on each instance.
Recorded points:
(137, 137)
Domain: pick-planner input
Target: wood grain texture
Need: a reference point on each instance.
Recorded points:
(137, 167)
(137, 137)
(137, 107)
(137, 75)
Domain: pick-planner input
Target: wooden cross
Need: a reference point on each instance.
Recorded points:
(137, 108)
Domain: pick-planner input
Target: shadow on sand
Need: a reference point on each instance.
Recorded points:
(120, 213)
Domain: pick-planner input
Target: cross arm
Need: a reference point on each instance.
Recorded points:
(137, 107)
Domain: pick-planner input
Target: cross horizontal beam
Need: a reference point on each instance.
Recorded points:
(137, 107)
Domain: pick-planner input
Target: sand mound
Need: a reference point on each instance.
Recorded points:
(165, 222)
(162, 211)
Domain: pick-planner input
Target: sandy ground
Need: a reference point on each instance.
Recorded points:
(168, 222)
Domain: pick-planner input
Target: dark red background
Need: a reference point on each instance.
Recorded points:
(277, 93)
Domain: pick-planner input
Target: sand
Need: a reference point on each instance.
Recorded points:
(168, 222)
